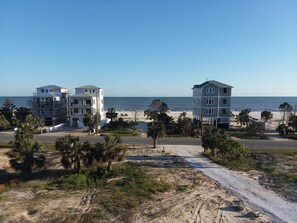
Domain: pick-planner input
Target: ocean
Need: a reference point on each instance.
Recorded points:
(178, 103)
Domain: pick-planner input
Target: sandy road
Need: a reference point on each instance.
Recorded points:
(248, 189)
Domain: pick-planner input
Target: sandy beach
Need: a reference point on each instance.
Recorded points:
(271, 125)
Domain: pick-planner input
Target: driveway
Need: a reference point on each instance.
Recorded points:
(249, 190)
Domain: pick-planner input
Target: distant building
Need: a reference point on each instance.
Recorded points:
(86, 99)
(50, 103)
(212, 103)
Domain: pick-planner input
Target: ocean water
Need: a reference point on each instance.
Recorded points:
(178, 103)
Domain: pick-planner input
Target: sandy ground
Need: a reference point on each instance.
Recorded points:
(245, 187)
(204, 200)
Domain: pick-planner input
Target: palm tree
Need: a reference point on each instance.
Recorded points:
(111, 113)
(27, 154)
(110, 150)
(243, 117)
(212, 138)
(266, 115)
(90, 121)
(286, 109)
(156, 130)
(73, 152)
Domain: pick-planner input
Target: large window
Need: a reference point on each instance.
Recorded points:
(210, 101)
(210, 90)
(75, 101)
(88, 102)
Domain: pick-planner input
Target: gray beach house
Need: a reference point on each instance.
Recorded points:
(211, 103)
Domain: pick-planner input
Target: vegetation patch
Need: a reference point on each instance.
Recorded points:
(245, 135)
(279, 168)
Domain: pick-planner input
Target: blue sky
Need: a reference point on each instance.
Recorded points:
(149, 47)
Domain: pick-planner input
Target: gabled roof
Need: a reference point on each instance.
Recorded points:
(88, 87)
(215, 83)
(50, 86)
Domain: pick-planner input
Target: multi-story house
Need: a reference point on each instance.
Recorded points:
(86, 99)
(211, 103)
(50, 103)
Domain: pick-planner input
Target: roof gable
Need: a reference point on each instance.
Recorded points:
(88, 87)
(213, 82)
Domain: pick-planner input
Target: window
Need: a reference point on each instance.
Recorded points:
(224, 111)
(225, 90)
(93, 91)
(86, 90)
(210, 90)
(224, 101)
(46, 91)
(209, 112)
(75, 110)
(42, 90)
(75, 101)
(210, 101)
(88, 102)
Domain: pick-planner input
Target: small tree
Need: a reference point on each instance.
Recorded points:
(136, 112)
(111, 114)
(286, 109)
(74, 152)
(211, 139)
(232, 151)
(243, 117)
(184, 124)
(90, 121)
(27, 155)
(7, 110)
(266, 116)
(110, 150)
(4, 124)
(156, 130)
(293, 122)
(156, 110)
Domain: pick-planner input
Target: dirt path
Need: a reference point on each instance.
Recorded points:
(248, 189)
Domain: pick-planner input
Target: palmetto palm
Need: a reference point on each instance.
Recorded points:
(111, 150)
(73, 152)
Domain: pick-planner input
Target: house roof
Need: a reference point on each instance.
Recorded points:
(216, 83)
(88, 87)
(83, 95)
(50, 86)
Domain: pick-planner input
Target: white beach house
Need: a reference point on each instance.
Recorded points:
(87, 98)
(212, 103)
(50, 103)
